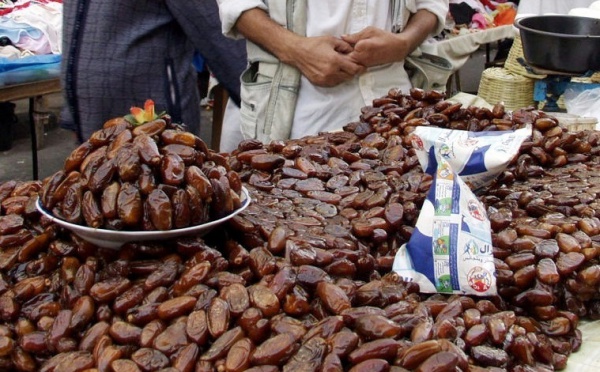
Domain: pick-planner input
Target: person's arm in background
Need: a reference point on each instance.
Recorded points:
(323, 60)
(226, 57)
(373, 46)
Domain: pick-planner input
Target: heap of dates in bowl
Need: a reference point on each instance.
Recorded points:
(141, 176)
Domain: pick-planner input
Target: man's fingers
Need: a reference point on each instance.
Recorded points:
(342, 46)
(350, 67)
(354, 38)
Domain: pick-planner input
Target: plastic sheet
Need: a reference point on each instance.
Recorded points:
(26, 69)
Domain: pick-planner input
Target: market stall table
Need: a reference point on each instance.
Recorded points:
(302, 268)
(31, 91)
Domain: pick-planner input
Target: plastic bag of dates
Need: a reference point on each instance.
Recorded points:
(142, 172)
(477, 157)
(450, 250)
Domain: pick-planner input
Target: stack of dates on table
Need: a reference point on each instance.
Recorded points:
(301, 280)
(151, 176)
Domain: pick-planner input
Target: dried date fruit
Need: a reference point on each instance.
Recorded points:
(124, 365)
(218, 317)
(72, 204)
(325, 328)
(569, 262)
(333, 297)
(109, 289)
(376, 326)
(160, 209)
(108, 200)
(34, 342)
(373, 365)
(164, 275)
(92, 335)
(129, 205)
(102, 177)
(443, 361)
(275, 350)
(288, 325)
(172, 169)
(125, 333)
(265, 300)
(378, 349)
(170, 136)
(223, 344)
(91, 211)
(150, 128)
(197, 327)
(60, 192)
(238, 357)
(547, 272)
(108, 355)
(222, 203)
(182, 214)
(172, 338)
(128, 164)
(489, 357)
(416, 354)
(198, 180)
(149, 359)
(60, 327)
(70, 361)
(76, 157)
(237, 298)
(151, 331)
(176, 307)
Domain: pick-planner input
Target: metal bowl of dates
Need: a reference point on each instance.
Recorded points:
(115, 239)
(562, 43)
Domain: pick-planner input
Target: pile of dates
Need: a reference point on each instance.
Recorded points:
(301, 279)
(152, 176)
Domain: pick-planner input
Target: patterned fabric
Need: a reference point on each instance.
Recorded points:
(118, 54)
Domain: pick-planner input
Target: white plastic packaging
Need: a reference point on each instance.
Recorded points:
(450, 250)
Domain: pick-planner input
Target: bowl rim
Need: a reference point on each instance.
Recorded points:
(521, 27)
(131, 235)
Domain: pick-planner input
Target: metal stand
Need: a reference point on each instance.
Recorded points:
(552, 87)
(549, 90)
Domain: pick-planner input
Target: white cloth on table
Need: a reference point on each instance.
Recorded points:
(9, 52)
(457, 49)
(47, 17)
(538, 7)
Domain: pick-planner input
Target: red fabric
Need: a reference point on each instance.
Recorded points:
(5, 11)
(488, 4)
(505, 17)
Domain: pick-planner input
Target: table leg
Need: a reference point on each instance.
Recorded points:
(40, 118)
(32, 128)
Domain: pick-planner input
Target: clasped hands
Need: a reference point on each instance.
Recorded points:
(328, 61)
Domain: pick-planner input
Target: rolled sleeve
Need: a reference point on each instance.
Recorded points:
(438, 7)
(230, 11)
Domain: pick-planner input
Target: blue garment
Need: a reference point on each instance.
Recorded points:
(118, 54)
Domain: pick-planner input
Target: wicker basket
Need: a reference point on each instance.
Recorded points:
(512, 63)
(594, 79)
(499, 85)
